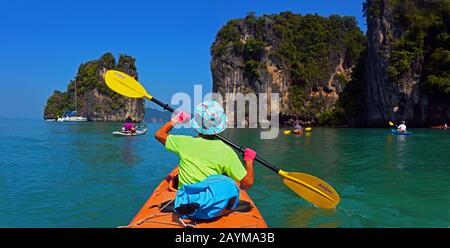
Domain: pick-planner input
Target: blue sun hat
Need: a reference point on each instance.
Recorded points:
(209, 118)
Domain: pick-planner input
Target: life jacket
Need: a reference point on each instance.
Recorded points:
(215, 196)
(128, 126)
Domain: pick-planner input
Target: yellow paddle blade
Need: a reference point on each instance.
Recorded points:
(390, 123)
(287, 132)
(308, 129)
(311, 188)
(125, 85)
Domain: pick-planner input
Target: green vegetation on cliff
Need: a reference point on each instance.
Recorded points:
(303, 43)
(424, 41)
(57, 103)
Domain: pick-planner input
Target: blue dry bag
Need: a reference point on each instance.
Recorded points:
(215, 196)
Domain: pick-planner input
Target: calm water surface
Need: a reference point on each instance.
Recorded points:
(79, 175)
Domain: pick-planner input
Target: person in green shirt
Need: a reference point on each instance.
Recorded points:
(203, 156)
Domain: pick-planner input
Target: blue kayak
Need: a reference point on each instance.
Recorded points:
(396, 132)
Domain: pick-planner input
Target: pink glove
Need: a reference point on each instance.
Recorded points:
(249, 154)
(181, 117)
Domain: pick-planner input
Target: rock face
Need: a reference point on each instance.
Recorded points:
(94, 99)
(308, 60)
(385, 99)
(406, 78)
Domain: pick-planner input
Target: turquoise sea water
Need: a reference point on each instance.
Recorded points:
(79, 175)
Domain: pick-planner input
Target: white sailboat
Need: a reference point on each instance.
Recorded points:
(70, 116)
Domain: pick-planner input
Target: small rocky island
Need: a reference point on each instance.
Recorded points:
(94, 99)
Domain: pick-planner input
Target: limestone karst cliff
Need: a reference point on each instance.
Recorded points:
(307, 59)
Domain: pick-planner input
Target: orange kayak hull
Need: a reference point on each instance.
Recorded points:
(152, 214)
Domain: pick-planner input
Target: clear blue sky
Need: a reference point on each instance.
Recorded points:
(43, 42)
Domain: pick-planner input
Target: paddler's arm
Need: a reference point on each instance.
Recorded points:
(163, 132)
(247, 181)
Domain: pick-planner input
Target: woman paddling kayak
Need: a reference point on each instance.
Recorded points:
(203, 160)
(128, 126)
(204, 155)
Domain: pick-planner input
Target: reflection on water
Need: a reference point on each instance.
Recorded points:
(128, 154)
(402, 151)
(307, 216)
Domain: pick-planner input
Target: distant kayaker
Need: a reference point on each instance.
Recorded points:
(297, 127)
(204, 156)
(402, 127)
(128, 126)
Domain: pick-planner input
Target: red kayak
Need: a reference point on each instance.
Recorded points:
(439, 127)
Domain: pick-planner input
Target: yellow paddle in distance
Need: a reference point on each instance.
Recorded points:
(308, 129)
(311, 188)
